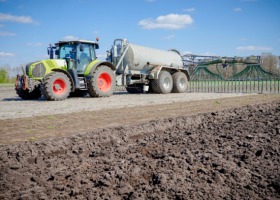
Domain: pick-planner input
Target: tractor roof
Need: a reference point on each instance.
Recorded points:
(76, 41)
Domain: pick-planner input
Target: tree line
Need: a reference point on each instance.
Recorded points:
(9, 74)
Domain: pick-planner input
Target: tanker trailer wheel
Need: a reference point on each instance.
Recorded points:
(180, 82)
(135, 88)
(56, 86)
(163, 84)
(102, 83)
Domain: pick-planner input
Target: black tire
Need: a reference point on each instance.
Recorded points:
(56, 86)
(180, 82)
(78, 93)
(102, 83)
(27, 95)
(135, 89)
(164, 83)
(150, 88)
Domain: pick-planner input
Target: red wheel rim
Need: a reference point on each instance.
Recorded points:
(59, 86)
(104, 82)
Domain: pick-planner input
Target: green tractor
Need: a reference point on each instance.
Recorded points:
(72, 70)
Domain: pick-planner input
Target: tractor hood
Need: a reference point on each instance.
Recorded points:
(39, 69)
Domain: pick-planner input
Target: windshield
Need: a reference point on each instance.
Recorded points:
(67, 51)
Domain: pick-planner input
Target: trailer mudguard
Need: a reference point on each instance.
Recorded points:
(157, 69)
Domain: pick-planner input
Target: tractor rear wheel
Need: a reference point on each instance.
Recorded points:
(56, 86)
(163, 84)
(180, 82)
(102, 83)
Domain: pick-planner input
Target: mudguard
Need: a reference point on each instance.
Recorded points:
(94, 64)
(157, 69)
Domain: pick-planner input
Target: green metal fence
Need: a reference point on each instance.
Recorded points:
(252, 79)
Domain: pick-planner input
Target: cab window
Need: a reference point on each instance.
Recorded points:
(67, 51)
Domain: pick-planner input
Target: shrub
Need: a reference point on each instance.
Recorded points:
(4, 76)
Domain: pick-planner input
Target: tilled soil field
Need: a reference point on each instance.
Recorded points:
(228, 154)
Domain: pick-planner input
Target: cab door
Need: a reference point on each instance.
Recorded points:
(84, 57)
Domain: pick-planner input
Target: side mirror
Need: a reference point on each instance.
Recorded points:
(82, 48)
(51, 51)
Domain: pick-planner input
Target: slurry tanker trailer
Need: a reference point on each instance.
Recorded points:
(74, 70)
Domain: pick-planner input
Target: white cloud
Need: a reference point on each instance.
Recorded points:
(189, 9)
(70, 37)
(5, 33)
(5, 54)
(169, 37)
(37, 44)
(171, 21)
(18, 19)
(254, 48)
(3, 0)
(237, 9)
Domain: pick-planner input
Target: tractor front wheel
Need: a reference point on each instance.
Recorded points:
(29, 95)
(102, 83)
(56, 86)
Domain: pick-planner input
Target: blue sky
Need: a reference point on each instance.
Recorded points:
(208, 27)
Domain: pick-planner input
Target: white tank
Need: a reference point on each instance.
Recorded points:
(144, 58)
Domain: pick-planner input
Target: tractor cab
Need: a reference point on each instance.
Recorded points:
(78, 54)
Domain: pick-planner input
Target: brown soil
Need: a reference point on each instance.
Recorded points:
(57, 125)
(158, 152)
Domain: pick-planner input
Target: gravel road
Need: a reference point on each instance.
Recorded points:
(11, 106)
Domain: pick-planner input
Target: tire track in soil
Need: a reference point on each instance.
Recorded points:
(59, 125)
(230, 154)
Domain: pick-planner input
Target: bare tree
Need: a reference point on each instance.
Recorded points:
(270, 62)
(16, 70)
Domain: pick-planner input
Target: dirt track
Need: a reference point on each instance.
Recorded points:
(227, 148)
